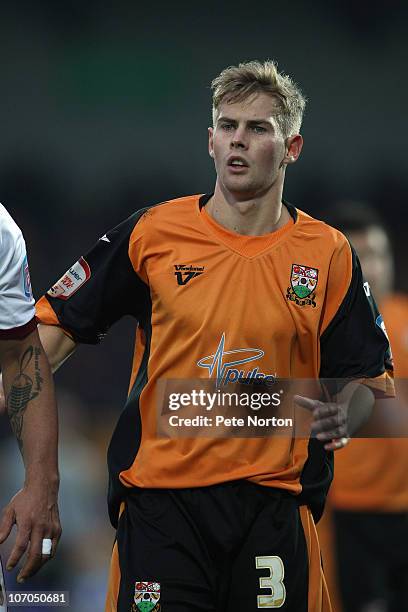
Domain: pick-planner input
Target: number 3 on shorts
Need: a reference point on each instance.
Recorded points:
(274, 582)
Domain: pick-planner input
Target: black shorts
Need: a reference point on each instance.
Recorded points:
(372, 559)
(232, 547)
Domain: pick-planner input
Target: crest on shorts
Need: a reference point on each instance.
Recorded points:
(147, 596)
(303, 283)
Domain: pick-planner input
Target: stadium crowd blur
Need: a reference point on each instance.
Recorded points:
(102, 114)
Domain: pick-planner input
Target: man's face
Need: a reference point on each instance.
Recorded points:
(373, 249)
(249, 151)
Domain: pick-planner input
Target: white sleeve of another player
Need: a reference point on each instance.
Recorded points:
(16, 299)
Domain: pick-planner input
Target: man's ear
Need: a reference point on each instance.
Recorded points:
(294, 146)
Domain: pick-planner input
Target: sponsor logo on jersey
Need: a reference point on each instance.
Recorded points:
(147, 596)
(223, 364)
(28, 292)
(71, 281)
(185, 273)
(303, 284)
(104, 238)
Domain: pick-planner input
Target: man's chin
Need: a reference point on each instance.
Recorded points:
(240, 189)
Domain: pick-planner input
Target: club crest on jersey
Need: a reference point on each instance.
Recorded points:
(71, 281)
(303, 283)
(147, 596)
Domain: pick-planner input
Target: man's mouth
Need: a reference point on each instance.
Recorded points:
(237, 162)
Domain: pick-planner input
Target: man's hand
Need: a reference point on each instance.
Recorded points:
(336, 420)
(34, 510)
(330, 421)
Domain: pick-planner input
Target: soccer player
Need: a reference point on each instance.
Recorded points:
(369, 499)
(30, 403)
(230, 285)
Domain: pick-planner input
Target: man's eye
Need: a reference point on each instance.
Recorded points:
(227, 126)
(258, 129)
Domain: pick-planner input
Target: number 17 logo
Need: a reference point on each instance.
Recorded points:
(274, 582)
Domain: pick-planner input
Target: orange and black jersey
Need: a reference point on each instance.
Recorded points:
(198, 290)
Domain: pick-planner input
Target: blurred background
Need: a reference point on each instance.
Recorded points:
(104, 109)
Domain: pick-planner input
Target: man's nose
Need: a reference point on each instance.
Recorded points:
(239, 140)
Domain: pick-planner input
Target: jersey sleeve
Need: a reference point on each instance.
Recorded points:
(354, 343)
(99, 289)
(17, 313)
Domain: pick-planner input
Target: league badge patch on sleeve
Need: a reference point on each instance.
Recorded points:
(28, 292)
(303, 281)
(147, 597)
(71, 281)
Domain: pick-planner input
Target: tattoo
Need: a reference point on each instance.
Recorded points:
(38, 378)
(21, 392)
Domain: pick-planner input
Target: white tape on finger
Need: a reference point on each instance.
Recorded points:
(46, 546)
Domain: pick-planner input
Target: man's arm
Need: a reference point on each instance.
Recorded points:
(31, 407)
(353, 347)
(58, 346)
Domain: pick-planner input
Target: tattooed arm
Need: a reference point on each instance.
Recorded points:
(30, 403)
(57, 346)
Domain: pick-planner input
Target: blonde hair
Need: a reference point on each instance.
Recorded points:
(237, 83)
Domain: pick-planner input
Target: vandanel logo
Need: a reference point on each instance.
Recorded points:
(185, 273)
(223, 363)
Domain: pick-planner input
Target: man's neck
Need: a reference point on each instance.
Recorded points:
(252, 217)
